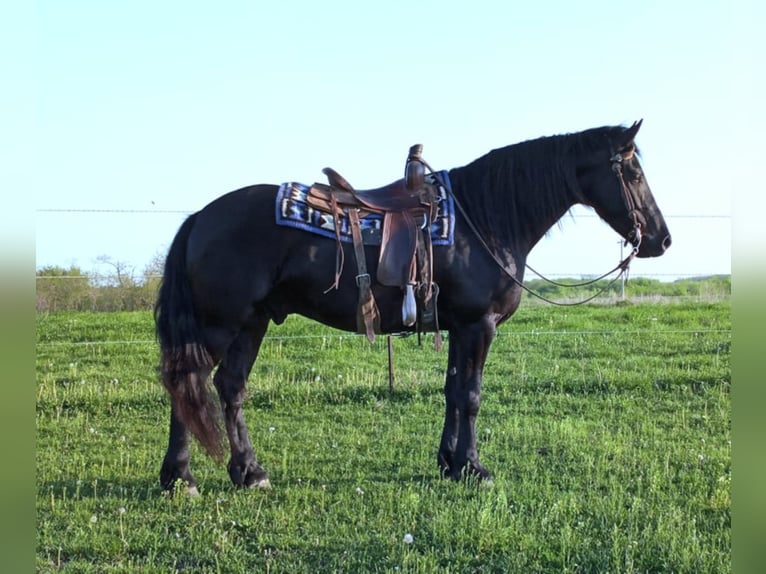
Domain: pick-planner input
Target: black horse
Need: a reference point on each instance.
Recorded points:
(231, 270)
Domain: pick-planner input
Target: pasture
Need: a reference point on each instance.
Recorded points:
(607, 429)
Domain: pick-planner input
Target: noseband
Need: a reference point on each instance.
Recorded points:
(630, 204)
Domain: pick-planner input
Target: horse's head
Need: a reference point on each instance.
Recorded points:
(614, 184)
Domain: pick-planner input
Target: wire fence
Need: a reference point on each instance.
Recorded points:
(190, 211)
(356, 336)
(96, 276)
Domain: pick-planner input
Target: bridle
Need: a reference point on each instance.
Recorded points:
(616, 160)
(634, 238)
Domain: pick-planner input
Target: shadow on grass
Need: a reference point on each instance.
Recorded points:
(336, 394)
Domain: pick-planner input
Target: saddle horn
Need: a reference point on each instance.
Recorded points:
(414, 170)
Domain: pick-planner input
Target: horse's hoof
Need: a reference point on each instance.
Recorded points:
(487, 482)
(480, 475)
(264, 483)
(191, 491)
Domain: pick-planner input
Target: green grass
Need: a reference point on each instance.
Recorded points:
(607, 429)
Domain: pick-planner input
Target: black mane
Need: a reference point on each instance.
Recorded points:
(509, 189)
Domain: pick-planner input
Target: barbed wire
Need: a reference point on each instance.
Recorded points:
(99, 276)
(353, 336)
(84, 210)
(190, 211)
(87, 275)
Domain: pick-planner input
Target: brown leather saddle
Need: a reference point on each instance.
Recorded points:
(408, 206)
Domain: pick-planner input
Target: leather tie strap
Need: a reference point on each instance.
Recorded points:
(339, 255)
(368, 317)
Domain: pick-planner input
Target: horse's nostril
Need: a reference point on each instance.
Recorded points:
(666, 242)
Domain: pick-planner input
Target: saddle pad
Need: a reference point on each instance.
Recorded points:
(292, 210)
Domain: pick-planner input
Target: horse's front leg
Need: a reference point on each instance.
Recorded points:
(468, 348)
(230, 380)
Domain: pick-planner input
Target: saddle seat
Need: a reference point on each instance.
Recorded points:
(396, 196)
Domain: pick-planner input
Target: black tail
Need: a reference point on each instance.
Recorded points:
(185, 363)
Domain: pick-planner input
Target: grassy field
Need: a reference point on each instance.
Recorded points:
(607, 429)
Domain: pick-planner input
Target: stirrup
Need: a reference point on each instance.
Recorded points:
(409, 307)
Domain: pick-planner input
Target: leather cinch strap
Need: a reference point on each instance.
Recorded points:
(368, 317)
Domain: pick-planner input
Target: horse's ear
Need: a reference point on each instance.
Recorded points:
(630, 134)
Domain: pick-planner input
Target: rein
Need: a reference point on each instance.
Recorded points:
(616, 160)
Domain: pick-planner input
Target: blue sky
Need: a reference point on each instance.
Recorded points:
(154, 108)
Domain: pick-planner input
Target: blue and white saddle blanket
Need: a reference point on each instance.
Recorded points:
(293, 210)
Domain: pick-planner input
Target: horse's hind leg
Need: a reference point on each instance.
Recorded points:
(230, 380)
(175, 465)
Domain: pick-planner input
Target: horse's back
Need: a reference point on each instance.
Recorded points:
(242, 209)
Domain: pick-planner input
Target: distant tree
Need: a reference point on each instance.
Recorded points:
(153, 277)
(122, 274)
(122, 289)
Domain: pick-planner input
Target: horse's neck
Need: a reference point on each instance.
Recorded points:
(543, 224)
(535, 221)
(526, 211)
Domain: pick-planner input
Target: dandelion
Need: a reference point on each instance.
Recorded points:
(701, 457)
(408, 539)
(93, 519)
(317, 379)
(272, 429)
(359, 490)
(91, 430)
(121, 511)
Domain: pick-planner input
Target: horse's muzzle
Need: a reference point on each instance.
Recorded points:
(654, 248)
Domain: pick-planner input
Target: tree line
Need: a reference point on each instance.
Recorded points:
(119, 288)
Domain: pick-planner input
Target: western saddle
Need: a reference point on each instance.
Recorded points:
(407, 207)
